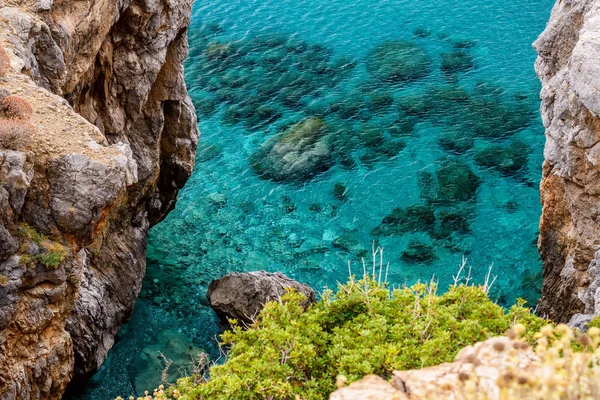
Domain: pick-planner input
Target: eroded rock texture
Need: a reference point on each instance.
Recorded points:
(569, 50)
(115, 140)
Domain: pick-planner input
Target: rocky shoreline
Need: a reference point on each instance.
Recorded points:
(114, 136)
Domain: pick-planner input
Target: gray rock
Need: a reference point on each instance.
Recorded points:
(16, 173)
(580, 321)
(243, 296)
(567, 66)
(8, 243)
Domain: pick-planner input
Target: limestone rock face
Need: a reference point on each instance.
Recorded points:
(243, 296)
(568, 67)
(115, 138)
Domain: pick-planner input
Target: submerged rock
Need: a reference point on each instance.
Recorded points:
(415, 218)
(456, 182)
(418, 252)
(456, 140)
(296, 155)
(422, 32)
(452, 222)
(507, 159)
(243, 296)
(398, 61)
(349, 242)
(340, 192)
(414, 105)
(458, 60)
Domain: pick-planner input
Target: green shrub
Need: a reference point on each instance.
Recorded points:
(363, 328)
(51, 254)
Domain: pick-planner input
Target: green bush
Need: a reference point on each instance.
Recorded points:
(363, 328)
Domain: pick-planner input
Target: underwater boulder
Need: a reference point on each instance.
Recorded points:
(343, 139)
(494, 115)
(402, 126)
(295, 155)
(371, 136)
(243, 296)
(287, 205)
(452, 222)
(291, 97)
(218, 51)
(315, 58)
(456, 182)
(398, 62)
(456, 140)
(369, 157)
(262, 115)
(380, 101)
(422, 32)
(509, 160)
(205, 103)
(391, 148)
(414, 105)
(427, 189)
(207, 152)
(341, 68)
(418, 252)
(340, 192)
(458, 60)
(462, 43)
(443, 100)
(416, 218)
(349, 243)
(351, 107)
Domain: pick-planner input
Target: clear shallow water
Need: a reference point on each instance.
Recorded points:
(388, 140)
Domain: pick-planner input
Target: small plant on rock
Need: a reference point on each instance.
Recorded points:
(15, 134)
(16, 107)
(51, 253)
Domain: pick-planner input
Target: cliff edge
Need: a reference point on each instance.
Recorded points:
(113, 140)
(569, 50)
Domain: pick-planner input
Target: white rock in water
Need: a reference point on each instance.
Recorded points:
(329, 235)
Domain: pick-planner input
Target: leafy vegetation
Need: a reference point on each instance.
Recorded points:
(51, 253)
(363, 328)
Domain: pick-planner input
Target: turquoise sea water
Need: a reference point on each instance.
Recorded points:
(456, 152)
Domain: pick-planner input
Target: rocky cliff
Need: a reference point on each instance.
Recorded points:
(113, 137)
(569, 50)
